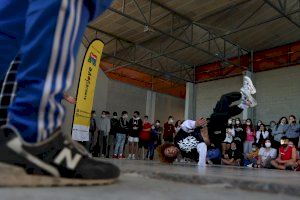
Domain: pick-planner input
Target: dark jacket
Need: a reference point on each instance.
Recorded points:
(114, 123)
(123, 126)
(136, 126)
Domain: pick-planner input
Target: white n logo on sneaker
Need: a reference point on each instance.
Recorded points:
(66, 155)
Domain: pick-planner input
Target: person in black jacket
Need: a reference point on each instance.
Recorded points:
(114, 124)
(121, 135)
(136, 126)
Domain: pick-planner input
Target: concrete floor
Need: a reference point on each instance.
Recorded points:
(150, 180)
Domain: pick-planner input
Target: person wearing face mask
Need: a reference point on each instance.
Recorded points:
(114, 122)
(293, 130)
(123, 130)
(103, 133)
(233, 156)
(279, 131)
(136, 126)
(287, 156)
(230, 133)
(239, 134)
(261, 135)
(266, 155)
(249, 132)
(155, 138)
(169, 130)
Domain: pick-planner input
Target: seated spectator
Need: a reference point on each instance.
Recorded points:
(279, 131)
(261, 135)
(252, 157)
(230, 133)
(177, 126)
(233, 156)
(293, 130)
(156, 131)
(266, 155)
(287, 156)
(249, 132)
(213, 155)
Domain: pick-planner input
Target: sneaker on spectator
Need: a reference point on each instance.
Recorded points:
(248, 85)
(129, 157)
(133, 157)
(121, 156)
(115, 156)
(250, 165)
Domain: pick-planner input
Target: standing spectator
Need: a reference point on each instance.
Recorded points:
(136, 126)
(114, 122)
(92, 130)
(239, 134)
(287, 156)
(177, 126)
(154, 139)
(293, 130)
(102, 136)
(249, 132)
(257, 127)
(279, 131)
(261, 135)
(266, 155)
(144, 137)
(121, 135)
(169, 130)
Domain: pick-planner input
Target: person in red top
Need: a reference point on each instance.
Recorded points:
(169, 130)
(287, 156)
(144, 137)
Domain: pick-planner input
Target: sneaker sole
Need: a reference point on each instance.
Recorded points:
(13, 176)
(253, 89)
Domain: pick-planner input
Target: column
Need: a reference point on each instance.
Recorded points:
(190, 102)
(150, 105)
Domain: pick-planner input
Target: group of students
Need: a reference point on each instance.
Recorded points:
(257, 146)
(109, 135)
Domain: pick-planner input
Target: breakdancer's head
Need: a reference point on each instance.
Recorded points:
(167, 153)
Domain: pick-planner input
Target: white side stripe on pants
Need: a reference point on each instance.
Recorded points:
(42, 133)
(72, 62)
(61, 66)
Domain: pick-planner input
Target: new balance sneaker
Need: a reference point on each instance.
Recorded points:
(246, 96)
(58, 161)
(248, 85)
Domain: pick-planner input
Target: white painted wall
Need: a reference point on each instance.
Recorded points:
(278, 93)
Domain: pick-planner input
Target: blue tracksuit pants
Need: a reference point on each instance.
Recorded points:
(46, 35)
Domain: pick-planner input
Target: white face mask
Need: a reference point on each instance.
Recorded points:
(258, 123)
(229, 121)
(171, 121)
(248, 123)
(268, 144)
(157, 124)
(125, 116)
(103, 116)
(253, 149)
(237, 122)
(115, 117)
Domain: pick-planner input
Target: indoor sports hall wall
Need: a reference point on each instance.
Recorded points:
(278, 93)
